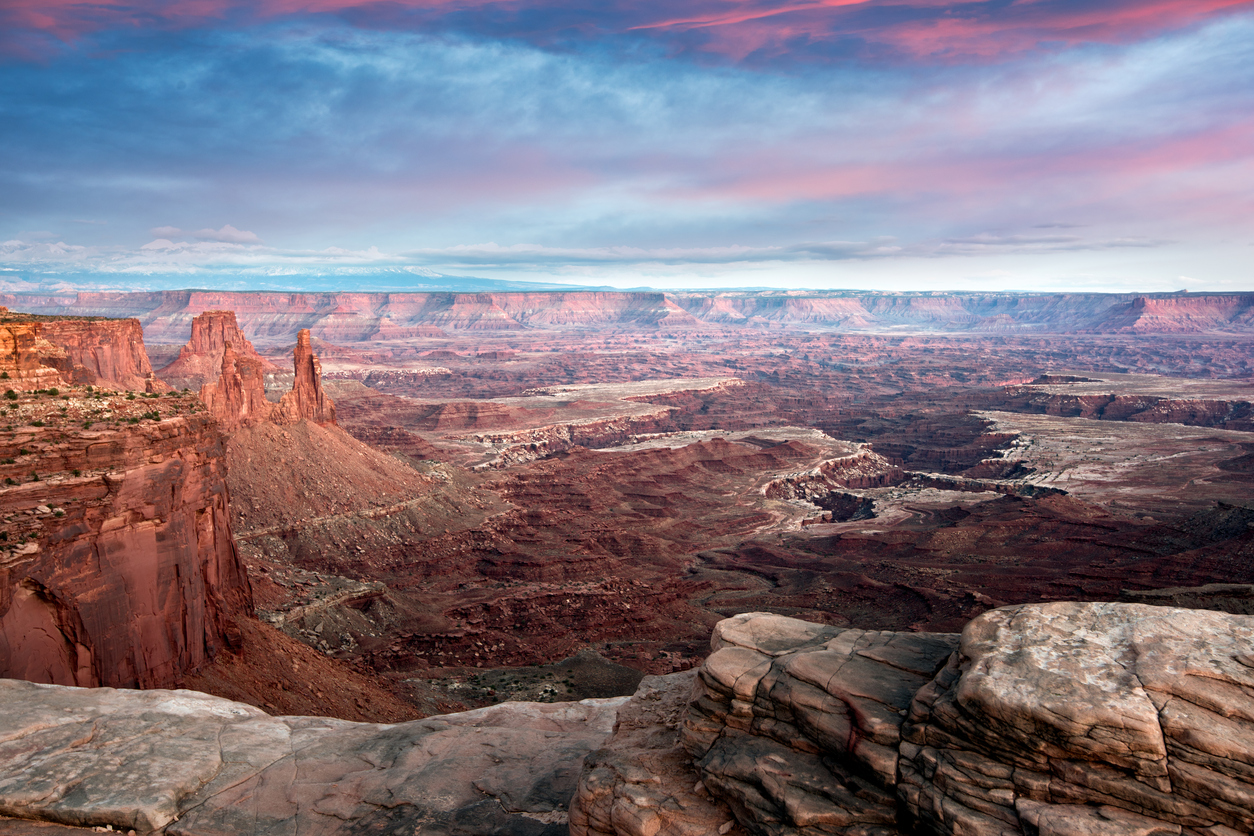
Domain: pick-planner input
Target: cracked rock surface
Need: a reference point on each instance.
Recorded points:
(1071, 718)
(1060, 719)
(188, 763)
(796, 725)
(642, 782)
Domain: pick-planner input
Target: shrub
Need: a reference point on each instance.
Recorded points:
(10, 394)
(4, 375)
(54, 392)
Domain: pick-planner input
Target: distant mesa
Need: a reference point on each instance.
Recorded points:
(347, 319)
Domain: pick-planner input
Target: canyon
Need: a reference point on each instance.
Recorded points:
(387, 506)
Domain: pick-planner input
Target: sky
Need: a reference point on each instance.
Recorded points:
(1026, 145)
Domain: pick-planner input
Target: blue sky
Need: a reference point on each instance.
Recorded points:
(902, 144)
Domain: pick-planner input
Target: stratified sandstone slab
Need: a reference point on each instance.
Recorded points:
(1053, 713)
(642, 781)
(1064, 719)
(796, 725)
(195, 764)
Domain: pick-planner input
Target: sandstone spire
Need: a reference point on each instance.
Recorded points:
(306, 400)
(238, 399)
(200, 359)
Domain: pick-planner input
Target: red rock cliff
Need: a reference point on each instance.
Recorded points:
(238, 398)
(117, 563)
(200, 359)
(306, 400)
(20, 367)
(100, 352)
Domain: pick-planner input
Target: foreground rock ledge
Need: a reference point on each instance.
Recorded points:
(1044, 720)
(196, 764)
(1062, 719)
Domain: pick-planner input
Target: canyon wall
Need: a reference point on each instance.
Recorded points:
(117, 562)
(37, 352)
(275, 318)
(20, 366)
(98, 352)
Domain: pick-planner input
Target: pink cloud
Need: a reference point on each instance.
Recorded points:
(966, 30)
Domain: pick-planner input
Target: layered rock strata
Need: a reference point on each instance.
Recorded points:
(38, 352)
(188, 763)
(642, 781)
(1064, 719)
(1087, 718)
(20, 347)
(119, 566)
(101, 352)
(1046, 720)
(353, 317)
(797, 725)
